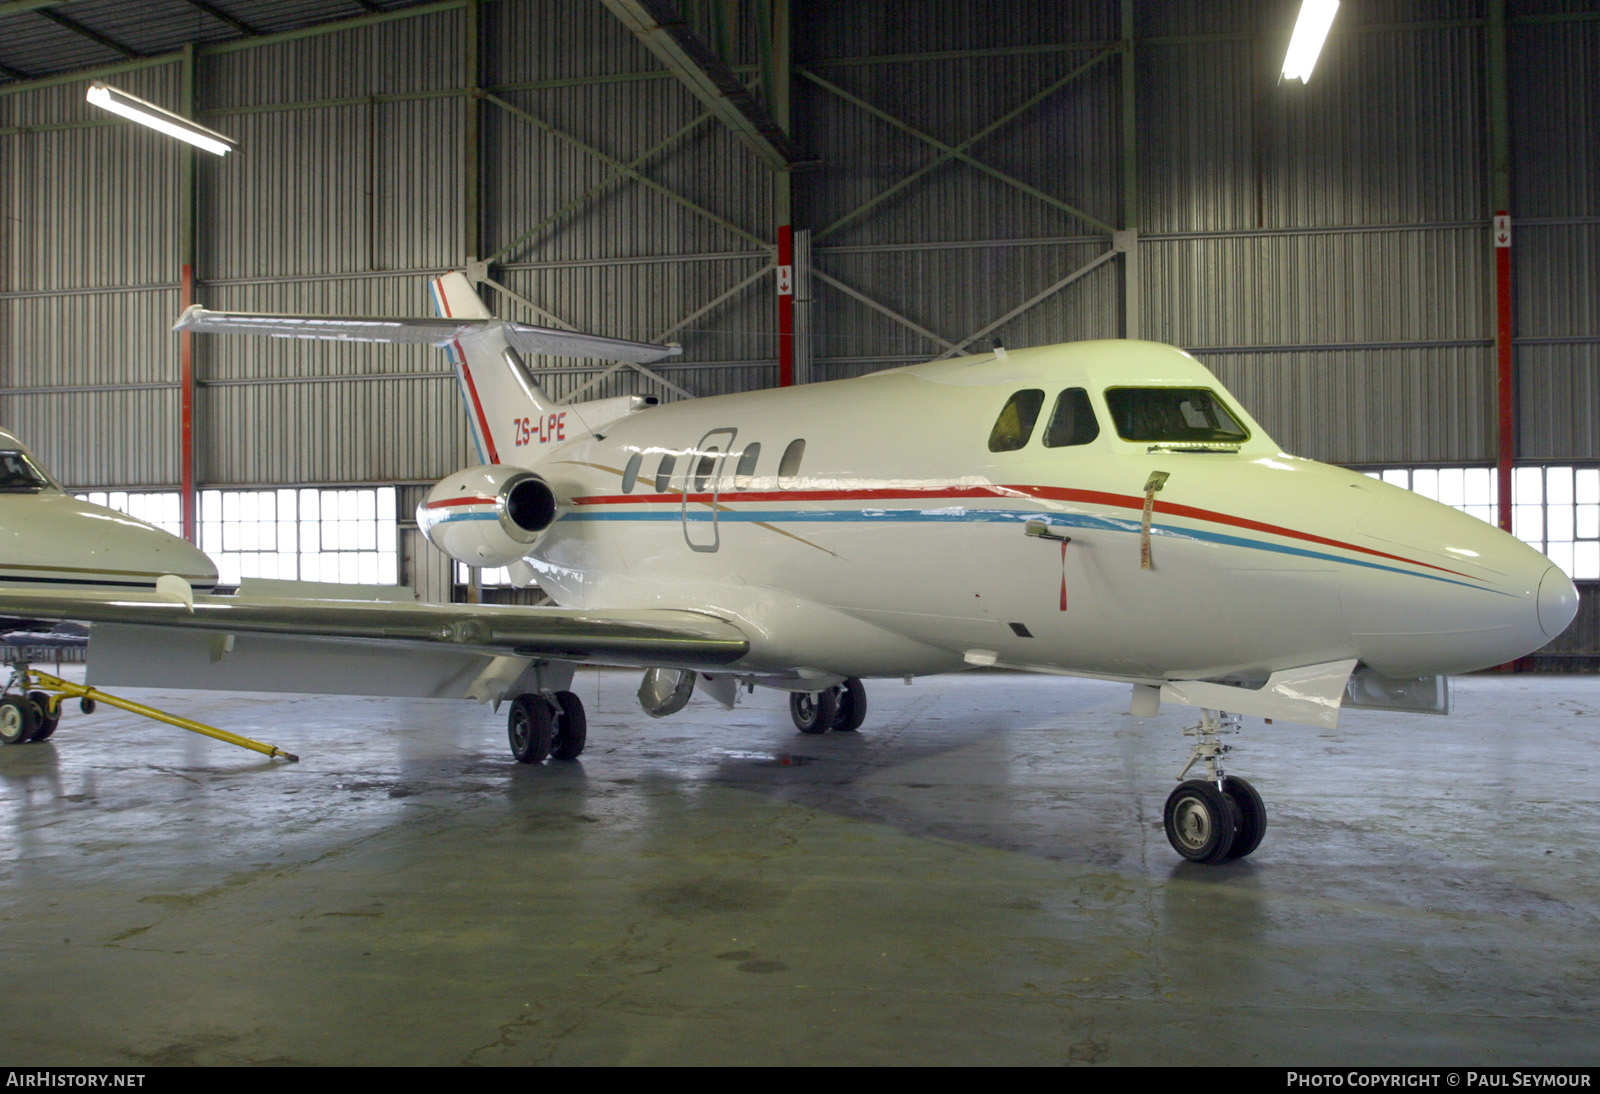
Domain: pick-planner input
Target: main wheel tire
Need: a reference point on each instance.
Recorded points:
(571, 727)
(852, 698)
(1252, 816)
(1199, 820)
(813, 711)
(18, 720)
(47, 722)
(529, 727)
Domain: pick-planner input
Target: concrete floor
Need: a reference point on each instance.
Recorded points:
(980, 876)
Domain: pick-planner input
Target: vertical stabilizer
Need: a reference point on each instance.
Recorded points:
(454, 299)
(512, 420)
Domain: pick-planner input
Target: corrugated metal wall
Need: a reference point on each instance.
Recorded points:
(1556, 129)
(1324, 247)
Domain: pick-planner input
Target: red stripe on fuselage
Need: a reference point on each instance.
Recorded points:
(444, 503)
(1048, 493)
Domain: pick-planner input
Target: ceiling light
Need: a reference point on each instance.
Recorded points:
(173, 125)
(1310, 30)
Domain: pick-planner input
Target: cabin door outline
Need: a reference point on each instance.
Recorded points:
(703, 479)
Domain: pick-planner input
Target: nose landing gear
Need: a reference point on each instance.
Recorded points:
(1220, 817)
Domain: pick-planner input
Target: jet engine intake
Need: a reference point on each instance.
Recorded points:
(488, 516)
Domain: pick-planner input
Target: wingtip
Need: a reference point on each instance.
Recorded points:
(190, 316)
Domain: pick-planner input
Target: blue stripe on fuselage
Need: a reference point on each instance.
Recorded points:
(960, 515)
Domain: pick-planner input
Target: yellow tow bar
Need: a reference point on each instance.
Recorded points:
(81, 691)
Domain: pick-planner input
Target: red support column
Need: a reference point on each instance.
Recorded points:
(785, 306)
(1506, 382)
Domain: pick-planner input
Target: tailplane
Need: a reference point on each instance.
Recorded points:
(505, 406)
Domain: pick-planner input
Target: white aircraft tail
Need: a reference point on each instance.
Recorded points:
(512, 420)
(507, 410)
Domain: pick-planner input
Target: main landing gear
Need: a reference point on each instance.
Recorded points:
(1220, 817)
(542, 726)
(841, 708)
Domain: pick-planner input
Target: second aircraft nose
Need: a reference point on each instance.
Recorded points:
(1558, 602)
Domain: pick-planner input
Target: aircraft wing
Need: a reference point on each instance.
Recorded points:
(646, 637)
(422, 331)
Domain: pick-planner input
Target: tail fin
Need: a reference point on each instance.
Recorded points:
(506, 409)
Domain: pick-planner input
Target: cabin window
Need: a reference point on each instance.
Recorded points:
(746, 471)
(1172, 415)
(789, 466)
(1015, 425)
(630, 473)
(703, 468)
(1072, 421)
(664, 472)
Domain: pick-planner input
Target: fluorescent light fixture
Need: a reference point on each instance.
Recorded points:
(1310, 31)
(173, 125)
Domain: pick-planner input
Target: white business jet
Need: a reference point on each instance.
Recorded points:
(1101, 509)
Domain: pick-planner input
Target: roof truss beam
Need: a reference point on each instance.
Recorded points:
(666, 34)
(223, 17)
(85, 32)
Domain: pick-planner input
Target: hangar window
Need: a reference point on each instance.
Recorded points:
(1072, 421)
(1014, 426)
(630, 473)
(789, 466)
(746, 471)
(335, 535)
(1172, 415)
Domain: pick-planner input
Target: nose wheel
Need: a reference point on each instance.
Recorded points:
(1218, 818)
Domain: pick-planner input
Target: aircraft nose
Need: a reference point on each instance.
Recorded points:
(1558, 602)
(1461, 595)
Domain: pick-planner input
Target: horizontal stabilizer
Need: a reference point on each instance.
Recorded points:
(422, 331)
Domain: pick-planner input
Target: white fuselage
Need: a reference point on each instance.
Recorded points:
(897, 545)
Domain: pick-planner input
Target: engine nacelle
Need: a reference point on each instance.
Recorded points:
(488, 516)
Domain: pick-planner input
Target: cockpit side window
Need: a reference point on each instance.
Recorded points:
(19, 476)
(1014, 426)
(1072, 422)
(1172, 415)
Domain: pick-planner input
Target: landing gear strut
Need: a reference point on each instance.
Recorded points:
(541, 726)
(841, 708)
(1220, 817)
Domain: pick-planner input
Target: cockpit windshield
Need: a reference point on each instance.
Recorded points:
(1173, 415)
(19, 476)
